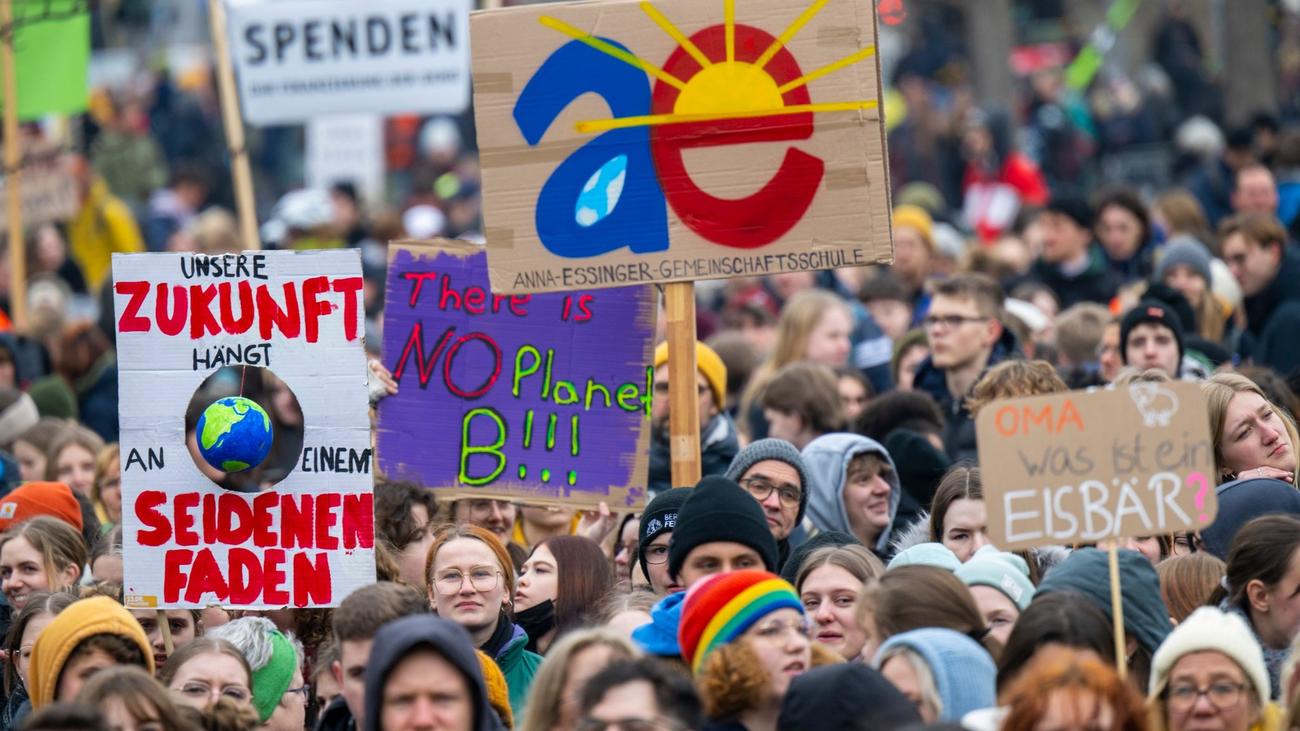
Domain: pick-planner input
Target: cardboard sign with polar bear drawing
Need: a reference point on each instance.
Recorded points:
(1088, 466)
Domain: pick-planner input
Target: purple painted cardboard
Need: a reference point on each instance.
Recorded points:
(560, 360)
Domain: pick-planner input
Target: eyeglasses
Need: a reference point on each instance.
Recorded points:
(776, 629)
(302, 691)
(627, 724)
(949, 321)
(656, 554)
(1221, 695)
(482, 579)
(202, 691)
(761, 488)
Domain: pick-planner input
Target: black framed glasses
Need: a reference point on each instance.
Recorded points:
(761, 488)
(627, 724)
(1221, 694)
(949, 321)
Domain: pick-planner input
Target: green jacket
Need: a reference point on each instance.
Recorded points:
(519, 666)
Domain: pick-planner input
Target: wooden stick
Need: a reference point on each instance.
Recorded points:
(1117, 613)
(233, 123)
(683, 412)
(166, 628)
(13, 175)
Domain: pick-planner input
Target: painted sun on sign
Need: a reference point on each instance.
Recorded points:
(726, 84)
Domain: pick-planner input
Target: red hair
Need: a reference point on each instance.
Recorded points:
(1079, 675)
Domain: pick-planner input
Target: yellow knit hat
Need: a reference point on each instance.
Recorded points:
(55, 643)
(917, 218)
(708, 363)
(497, 689)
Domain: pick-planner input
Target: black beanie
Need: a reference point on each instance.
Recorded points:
(1076, 209)
(660, 516)
(718, 510)
(1154, 312)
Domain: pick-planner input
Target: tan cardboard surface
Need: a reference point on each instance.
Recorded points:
(646, 156)
(1085, 466)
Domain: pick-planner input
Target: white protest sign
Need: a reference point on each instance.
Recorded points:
(307, 541)
(298, 59)
(346, 149)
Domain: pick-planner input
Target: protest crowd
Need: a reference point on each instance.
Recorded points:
(832, 569)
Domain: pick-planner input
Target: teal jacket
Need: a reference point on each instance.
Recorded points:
(519, 666)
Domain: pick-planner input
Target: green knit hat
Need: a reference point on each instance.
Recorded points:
(272, 680)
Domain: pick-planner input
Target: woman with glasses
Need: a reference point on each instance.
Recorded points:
(1210, 673)
(128, 698)
(471, 582)
(745, 637)
(207, 670)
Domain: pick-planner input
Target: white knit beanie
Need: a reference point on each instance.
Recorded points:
(1212, 629)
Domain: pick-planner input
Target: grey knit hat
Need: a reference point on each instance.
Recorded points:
(774, 449)
(1183, 249)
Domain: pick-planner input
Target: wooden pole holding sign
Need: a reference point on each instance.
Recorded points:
(233, 123)
(13, 174)
(165, 627)
(1117, 612)
(683, 412)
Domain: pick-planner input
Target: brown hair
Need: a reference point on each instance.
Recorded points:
(59, 544)
(78, 348)
(103, 460)
(583, 579)
(71, 435)
(37, 604)
(1056, 669)
(393, 521)
(452, 531)
(1079, 331)
(733, 679)
(124, 651)
(1262, 551)
(617, 602)
(914, 597)
(853, 558)
(201, 646)
(1183, 214)
(981, 289)
(809, 391)
(962, 482)
(545, 695)
(1260, 229)
(42, 434)
(1219, 391)
(1012, 379)
(1186, 582)
(799, 317)
(361, 613)
(142, 696)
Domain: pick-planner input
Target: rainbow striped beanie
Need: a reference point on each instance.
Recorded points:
(721, 607)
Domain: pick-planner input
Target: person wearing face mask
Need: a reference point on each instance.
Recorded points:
(471, 581)
(563, 579)
(745, 636)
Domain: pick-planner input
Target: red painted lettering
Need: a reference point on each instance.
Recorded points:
(311, 580)
(205, 577)
(174, 564)
(264, 519)
(269, 313)
(274, 591)
(359, 521)
(245, 576)
(229, 323)
(312, 307)
(158, 531)
(296, 521)
(349, 287)
(201, 320)
(325, 506)
(184, 521)
(171, 321)
(131, 321)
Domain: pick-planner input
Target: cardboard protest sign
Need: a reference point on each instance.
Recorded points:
(47, 188)
(1085, 466)
(297, 59)
(305, 542)
(631, 142)
(540, 398)
(51, 57)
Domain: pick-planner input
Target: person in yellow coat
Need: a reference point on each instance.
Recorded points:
(103, 225)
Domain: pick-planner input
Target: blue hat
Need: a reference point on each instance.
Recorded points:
(1240, 502)
(660, 636)
(1006, 572)
(1087, 571)
(963, 672)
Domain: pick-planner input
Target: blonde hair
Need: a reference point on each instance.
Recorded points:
(1219, 391)
(106, 457)
(59, 544)
(542, 711)
(924, 675)
(799, 318)
(1012, 379)
(72, 435)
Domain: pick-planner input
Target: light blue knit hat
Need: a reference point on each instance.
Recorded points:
(963, 672)
(1006, 572)
(926, 554)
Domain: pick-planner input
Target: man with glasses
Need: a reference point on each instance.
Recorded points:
(966, 337)
(773, 472)
(639, 695)
(719, 441)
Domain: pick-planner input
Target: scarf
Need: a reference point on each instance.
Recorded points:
(537, 621)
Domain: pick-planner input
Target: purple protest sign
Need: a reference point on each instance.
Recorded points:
(542, 398)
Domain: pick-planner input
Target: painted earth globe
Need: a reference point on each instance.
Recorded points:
(234, 434)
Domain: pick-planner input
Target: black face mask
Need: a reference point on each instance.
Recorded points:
(537, 621)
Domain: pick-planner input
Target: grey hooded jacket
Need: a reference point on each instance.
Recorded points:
(827, 459)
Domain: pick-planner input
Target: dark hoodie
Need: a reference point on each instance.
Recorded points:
(1273, 317)
(399, 638)
(959, 434)
(1097, 283)
(848, 696)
